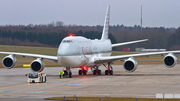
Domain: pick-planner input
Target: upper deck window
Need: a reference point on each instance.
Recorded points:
(67, 41)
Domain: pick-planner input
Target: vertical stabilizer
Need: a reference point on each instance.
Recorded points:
(106, 25)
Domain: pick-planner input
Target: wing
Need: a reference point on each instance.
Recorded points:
(53, 58)
(122, 57)
(126, 43)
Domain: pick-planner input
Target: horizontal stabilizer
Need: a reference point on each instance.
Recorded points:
(126, 43)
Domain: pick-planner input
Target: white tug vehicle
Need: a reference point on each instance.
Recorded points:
(36, 77)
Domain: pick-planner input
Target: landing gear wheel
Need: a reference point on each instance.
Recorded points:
(111, 72)
(94, 72)
(65, 73)
(70, 75)
(99, 72)
(106, 72)
(80, 72)
(84, 72)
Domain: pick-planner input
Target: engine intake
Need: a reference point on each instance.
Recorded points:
(170, 60)
(37, 65)
(130, 65)
(9, 61)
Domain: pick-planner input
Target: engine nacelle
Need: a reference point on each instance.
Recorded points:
(130, 65)
(9, 61)
(37, 65)
(170, 60)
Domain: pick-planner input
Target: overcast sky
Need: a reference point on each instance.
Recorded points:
(156, 13)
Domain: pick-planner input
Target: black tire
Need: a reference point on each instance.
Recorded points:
(99, 72)
(80, 72)
(70, 75)
(65, 73)
(84, 72)
(94, 72)
(111, 72)
(106, 72)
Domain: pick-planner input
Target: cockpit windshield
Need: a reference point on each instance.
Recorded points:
(67, 41)
(33, 75)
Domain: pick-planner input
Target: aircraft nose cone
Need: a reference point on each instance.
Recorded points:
(64, 50)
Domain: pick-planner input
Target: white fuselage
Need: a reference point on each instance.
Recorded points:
(79, 51)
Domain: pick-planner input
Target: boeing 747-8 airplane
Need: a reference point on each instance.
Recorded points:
(83, 53)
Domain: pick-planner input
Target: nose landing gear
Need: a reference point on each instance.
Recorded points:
(67, 72)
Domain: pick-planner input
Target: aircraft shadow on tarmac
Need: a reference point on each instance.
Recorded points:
(130, 75)
(146, 75)
(91, 75)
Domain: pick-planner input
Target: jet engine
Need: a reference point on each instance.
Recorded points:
(170, 60)
(130, 65)
(37, 65)
(9, 61)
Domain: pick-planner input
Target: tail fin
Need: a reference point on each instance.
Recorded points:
(106, 25)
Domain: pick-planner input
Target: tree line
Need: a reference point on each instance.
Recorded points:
(52, 38)
(52, 34)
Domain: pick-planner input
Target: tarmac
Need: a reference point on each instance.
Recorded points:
(145, 82)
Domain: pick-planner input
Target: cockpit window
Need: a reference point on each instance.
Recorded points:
(67, 41)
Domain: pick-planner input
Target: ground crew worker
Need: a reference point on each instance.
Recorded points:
(63, 73)
(60, 74)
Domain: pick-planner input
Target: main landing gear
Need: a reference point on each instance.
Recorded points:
(109, 69)
(97, 71)
(83, 71)
(67, 72)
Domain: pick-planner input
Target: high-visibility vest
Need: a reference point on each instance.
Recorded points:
(63, 72)
(59, 73)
